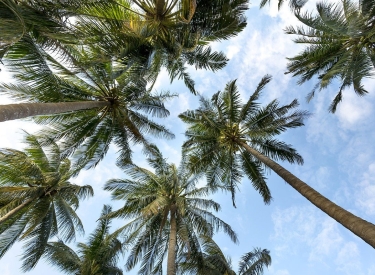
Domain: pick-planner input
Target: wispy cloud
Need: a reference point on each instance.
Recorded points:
(325, 241)
(365, 197)
(348, 260)
(305, 228)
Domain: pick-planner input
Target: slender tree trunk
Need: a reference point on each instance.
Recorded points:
(22, 110)
(15, 210)
(363, 229)
(160, 4)
(171, 263)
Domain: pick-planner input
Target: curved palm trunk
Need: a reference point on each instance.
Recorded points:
(363, 229)
(171, 263)
(15, 210)
(22, 110)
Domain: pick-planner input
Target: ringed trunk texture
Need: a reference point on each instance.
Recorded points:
(22, 110)
(171, 263)
(363, 229)
(15, 210)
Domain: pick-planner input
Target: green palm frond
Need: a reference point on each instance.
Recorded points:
(253, 263)
(149, 202)
(123, 119)
(147, 36)
(340, 46)
(251, 105)
(11, 233)
(68, 221)
(254, 171)
(220, 127)
(295, 5)
(215, 23)
(36, 26)
(37, 239)
(62, 256)
(203, 58)
(99, 255)
(210, 260)
(38, 202)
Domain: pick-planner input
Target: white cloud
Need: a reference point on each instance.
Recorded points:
(321, 176)
(172, 153)
(326, 242)
(178, 104)
(322, 127)
(232, 50)
(348, 259)
(163, 78)
(257, 58)
(353, 109)
(314, 235)
(263, 50)
(282, 272)
(11, 133)
(293, 224)
(365, 197)
(284, 13)
(5, 270)
(371, 270)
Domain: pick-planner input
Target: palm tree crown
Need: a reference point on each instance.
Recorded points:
(99, 256)
(341, 40)
(28, 27)
(119, 118)
(167, 213)
(210, 260)
(219, 127)
(149, 35)
(225, 135)
(37, 200)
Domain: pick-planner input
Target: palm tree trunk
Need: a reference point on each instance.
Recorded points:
(15, 210)
(160, 8)
(363, 229)
(171, 263)
(22, 110)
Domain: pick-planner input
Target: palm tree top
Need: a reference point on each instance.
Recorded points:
(341, 45)
(126, 100)
(210, 260)
(37, 199)
(99, 255)
(221, 125)
(149, 35)
(163, 203)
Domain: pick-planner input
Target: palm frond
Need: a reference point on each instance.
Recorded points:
(253, 263)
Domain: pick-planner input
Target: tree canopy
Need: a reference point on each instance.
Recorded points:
(340, 41)
(37, 200)
(167, 213)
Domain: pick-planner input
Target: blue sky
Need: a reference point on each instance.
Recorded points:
(338, 150)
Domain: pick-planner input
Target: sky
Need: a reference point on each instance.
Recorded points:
(338, 151)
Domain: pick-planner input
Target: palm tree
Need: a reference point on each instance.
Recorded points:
(210, 260)
(227, 139)
(341, 44)
(27, 26)
(90, 109)
(167, 212)
(37, 200)
(99, 256)
(295, 5)
(149, 35)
